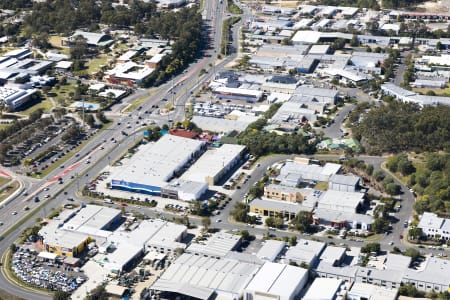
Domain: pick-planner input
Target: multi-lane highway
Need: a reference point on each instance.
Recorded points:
(108, 145)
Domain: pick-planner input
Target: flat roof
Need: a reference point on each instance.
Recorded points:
(305, 251)
(191, 271)
(278, 279)
(63, 238)
(222, 125)
(323, 289)
(340, 200)
(213, 162)
(310, 172)
(332, 254)
(155, 163)
(341, 216)
(91, 218)
(344, 179)
(270, 250)
(319, 49)
(436, 270)
(283, 188)
(275, 205)
(372, 292)
(218, 245)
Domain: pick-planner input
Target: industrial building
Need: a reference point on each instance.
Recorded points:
(343, 183)
(283, 193)
(276, 281)
(325, 289)
(271, 250)
(366, 291)
(433, 276)
(74, 230)
(409, 96)
(329, 96)
(184, 190)
(214, 164)
(202, 277)
(155, 164)
(341, 201)
(305, 252)
(118, 248)
(271, 208)
(292, 172)
(217, 246)
(292, 115)
(342, 219)
(247, 95)
(432, 225)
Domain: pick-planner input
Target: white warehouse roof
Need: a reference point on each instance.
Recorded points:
(279, 280)
(155, 163)
(199, 276)
(213, 162)
(323, 289)
(270, 250)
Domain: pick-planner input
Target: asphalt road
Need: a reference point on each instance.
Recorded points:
(81, 171)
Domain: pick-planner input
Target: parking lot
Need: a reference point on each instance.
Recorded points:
(50, 275)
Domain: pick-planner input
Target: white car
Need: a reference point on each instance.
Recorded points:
(14, 213)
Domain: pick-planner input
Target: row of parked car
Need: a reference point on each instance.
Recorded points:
(33, 270)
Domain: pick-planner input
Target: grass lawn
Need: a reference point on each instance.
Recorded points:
(4, 180)
(9, 190)
(139, 101)
(93, 65)
(438, 92)
(55, 41)
(63, 93)
(4, 126)
(44, 104)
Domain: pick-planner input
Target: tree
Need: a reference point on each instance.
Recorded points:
(380, 225)
(293, 240)
(338, 44)
(371, 247)
(354, 42)
(245, 235)
(239, 213)
(415, 233)
(206, 222)
(303, 222)
(60, 295)
(413, 253)
(79, 48)
(392, 189)
(369, 169)
(378, 175)
(408, 290)
(275, 222)
(89, 119)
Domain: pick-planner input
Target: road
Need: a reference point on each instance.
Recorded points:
(101, 150)
(110, 144)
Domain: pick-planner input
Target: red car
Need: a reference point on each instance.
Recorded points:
(124, 204)
(401, 236)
